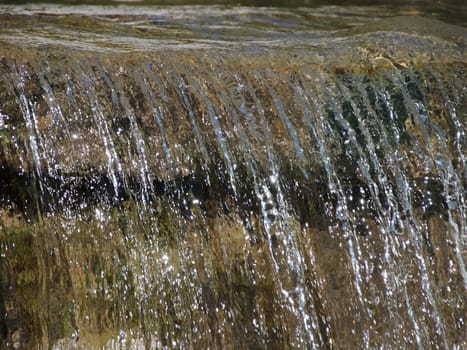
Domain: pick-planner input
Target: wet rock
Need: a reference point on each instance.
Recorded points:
(307, 193)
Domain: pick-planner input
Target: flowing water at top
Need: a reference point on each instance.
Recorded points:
(233, 177)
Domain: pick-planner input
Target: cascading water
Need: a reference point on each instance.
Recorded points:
(232, 178)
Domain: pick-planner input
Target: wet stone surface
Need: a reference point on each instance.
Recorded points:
(231, 178)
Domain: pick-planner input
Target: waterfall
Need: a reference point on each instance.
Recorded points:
(186, 193)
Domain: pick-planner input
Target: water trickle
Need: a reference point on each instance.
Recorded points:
(114, 167)
(299, 187)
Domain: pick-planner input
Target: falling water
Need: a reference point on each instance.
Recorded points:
(232, 178)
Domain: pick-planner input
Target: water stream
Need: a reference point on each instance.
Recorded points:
(233, 177)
